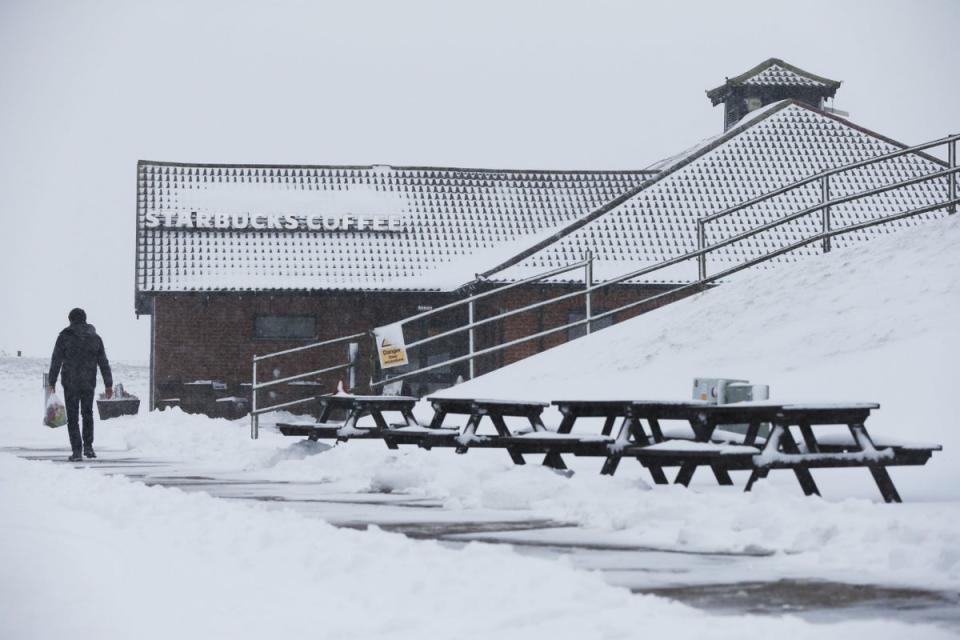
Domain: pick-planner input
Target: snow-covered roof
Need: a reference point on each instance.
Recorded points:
(768, 149)
(774, 72)
(452, 223)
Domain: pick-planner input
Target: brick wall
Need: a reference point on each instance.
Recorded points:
(211, 336)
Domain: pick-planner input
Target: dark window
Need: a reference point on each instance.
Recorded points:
(581, 330)
(285, 327)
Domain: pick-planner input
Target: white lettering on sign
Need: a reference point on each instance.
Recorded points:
(269, 222)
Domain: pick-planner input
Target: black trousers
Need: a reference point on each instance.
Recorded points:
(81, 399)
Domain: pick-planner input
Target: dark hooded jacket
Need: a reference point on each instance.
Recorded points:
(78, 353)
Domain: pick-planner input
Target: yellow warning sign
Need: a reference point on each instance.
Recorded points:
(391, 347)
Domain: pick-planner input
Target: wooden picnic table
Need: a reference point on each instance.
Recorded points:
(631, 435)
(818, 446)
(357, 407)
(496, 411)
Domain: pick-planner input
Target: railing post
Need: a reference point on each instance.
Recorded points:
(588, 282)
(825, 211)
(952, 179)
(471, 317)
(701, 242)
(254, 418)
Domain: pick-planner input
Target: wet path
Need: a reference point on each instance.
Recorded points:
(709, 581)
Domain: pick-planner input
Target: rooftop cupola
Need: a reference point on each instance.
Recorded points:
(770, 81)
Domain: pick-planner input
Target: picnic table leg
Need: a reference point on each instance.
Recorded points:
(536, 423)
(468, 432)
(685, 475)
(884, 483)
(623, 439)
(409, 418)
(804, 477)
(566, 425)
(554, 460)
(701, 433)
(721, 474)
(384, 428)
(656, 472)
(325, 412)
(879, 472)
(757, 474)
(503, 431)
(808, 438)
(349, 423)
(656, 435)
(610, 465)
(608, 425)
(655, 430)
(770, 446)
(753, 430)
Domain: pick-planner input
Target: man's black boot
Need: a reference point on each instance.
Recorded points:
(75, 457)
(88, 451)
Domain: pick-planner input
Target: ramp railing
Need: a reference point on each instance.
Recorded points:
(704, 280)
(825, 204)
(256, 384)
(701, 282)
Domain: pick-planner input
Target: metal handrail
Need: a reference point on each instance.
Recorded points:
(255, 386)
(825, 203)
(481, 352)
(830, 172)
(299, 376)
(700, 253)
(501, 316)
(307, 347)
(485, 294)
(692, 285)
(282, 405)
(782, 250)
(817, 207)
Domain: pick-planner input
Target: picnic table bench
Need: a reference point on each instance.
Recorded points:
(700, 439)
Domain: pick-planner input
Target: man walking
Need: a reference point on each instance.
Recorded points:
(78, 353)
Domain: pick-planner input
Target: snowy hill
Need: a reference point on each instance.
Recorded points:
(871, 323)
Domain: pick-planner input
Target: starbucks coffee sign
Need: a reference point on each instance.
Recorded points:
(184, 220)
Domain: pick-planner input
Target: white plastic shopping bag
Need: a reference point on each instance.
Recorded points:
(55, 413)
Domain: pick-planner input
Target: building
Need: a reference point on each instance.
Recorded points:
(770, 81)
(237, 260)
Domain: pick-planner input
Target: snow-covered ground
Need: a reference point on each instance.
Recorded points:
(114, 558)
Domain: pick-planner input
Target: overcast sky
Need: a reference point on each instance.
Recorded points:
(88, 88)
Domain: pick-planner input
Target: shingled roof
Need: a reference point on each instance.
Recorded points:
(456, 222)
(771, 147)
(774, 72)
